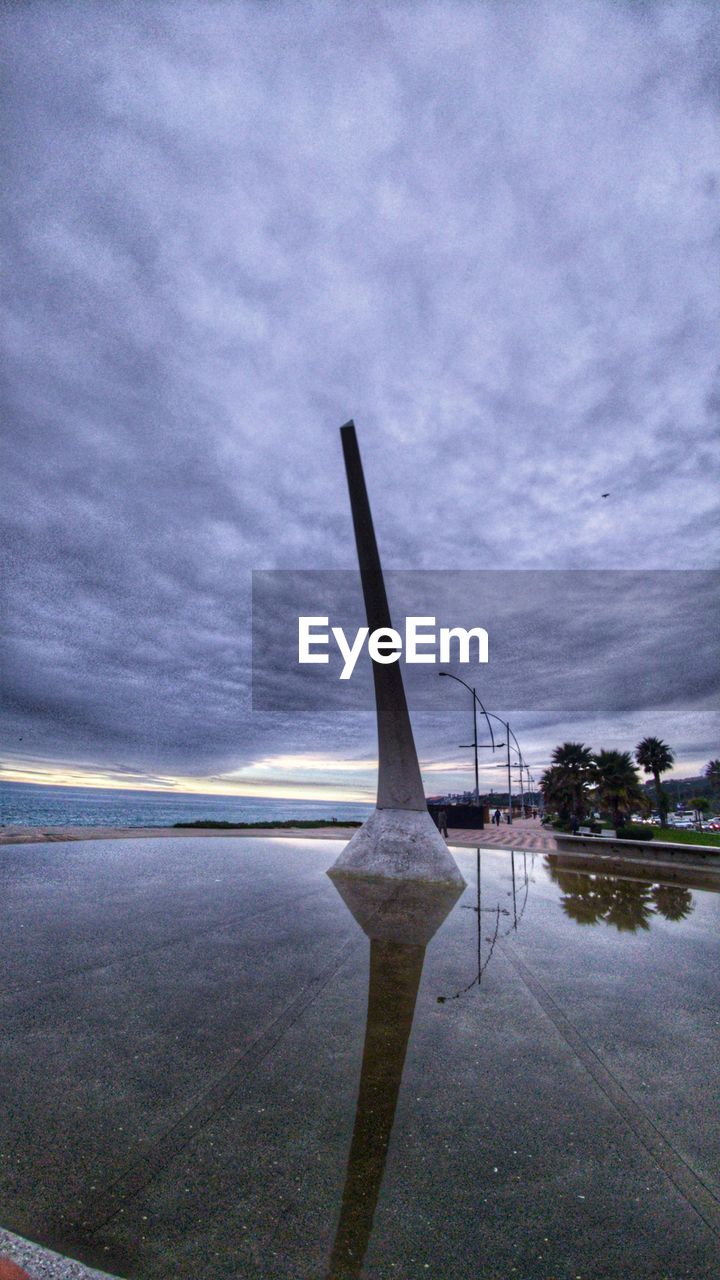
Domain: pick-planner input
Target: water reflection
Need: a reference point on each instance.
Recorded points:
(399, 921)
(627, 903)
(510, 916)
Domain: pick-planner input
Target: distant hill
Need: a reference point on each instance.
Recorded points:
(680, 789)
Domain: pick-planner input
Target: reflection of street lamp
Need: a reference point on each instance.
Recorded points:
(474, 744)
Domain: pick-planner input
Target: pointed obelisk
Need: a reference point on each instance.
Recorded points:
(399, 840)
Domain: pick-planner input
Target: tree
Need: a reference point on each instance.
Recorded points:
(555, 794)
(629, 905)
(712, 773)
(700, 804)
(672, 901)
(565, 784)
(588, 899)
(655, 757)
(618, 784)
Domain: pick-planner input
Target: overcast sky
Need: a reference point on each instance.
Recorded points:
(487, 232)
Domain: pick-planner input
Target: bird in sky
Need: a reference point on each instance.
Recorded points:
(605, 495)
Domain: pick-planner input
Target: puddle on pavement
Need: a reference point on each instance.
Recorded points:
(377, 1081)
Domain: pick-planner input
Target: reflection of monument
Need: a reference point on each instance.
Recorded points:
(399, 839)
(400, 921)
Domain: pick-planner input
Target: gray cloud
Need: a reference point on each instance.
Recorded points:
(486, 232)
(558, 641)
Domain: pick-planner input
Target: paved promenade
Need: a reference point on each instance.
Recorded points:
(526, 834)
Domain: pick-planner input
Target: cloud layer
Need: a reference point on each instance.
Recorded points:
(488, 233)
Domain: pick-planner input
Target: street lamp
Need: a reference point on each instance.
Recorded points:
(510, 734)
(520, 766)
(527, 784)
(508, 764)
(490, 715)
(474, 744)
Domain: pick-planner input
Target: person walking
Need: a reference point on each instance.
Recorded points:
(496, 817)
(442, 822)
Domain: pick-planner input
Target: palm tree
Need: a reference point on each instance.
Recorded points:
(712, 773)
(629, 906)
(565, 784)
(618, 784)
(581, 899)
(655, 757)
(672, 901)
(588, 899)
(555, 797)
(700, 804)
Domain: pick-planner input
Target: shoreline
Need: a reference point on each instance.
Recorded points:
(50, 835)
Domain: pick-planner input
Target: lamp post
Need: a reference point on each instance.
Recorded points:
(510, 734)
(474, 744)
(490, 715)
(527, 784)
(509, 773)
(521, 765)
(536, 790)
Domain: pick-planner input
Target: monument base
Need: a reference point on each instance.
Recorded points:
(399, 844)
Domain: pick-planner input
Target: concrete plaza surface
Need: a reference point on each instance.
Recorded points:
(213, 1066)
(524, 833)
(20, 1259)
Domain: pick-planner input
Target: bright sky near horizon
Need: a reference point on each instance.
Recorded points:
(487, 232)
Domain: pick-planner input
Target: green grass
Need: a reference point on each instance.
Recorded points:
(237, 826)
(670, 835)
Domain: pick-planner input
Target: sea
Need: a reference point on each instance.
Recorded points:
(26, 804)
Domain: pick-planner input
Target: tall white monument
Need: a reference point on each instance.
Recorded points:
(399, 840)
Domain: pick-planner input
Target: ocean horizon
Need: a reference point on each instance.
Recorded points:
(29, 804)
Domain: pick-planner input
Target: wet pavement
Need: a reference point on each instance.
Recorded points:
(219, 1061)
